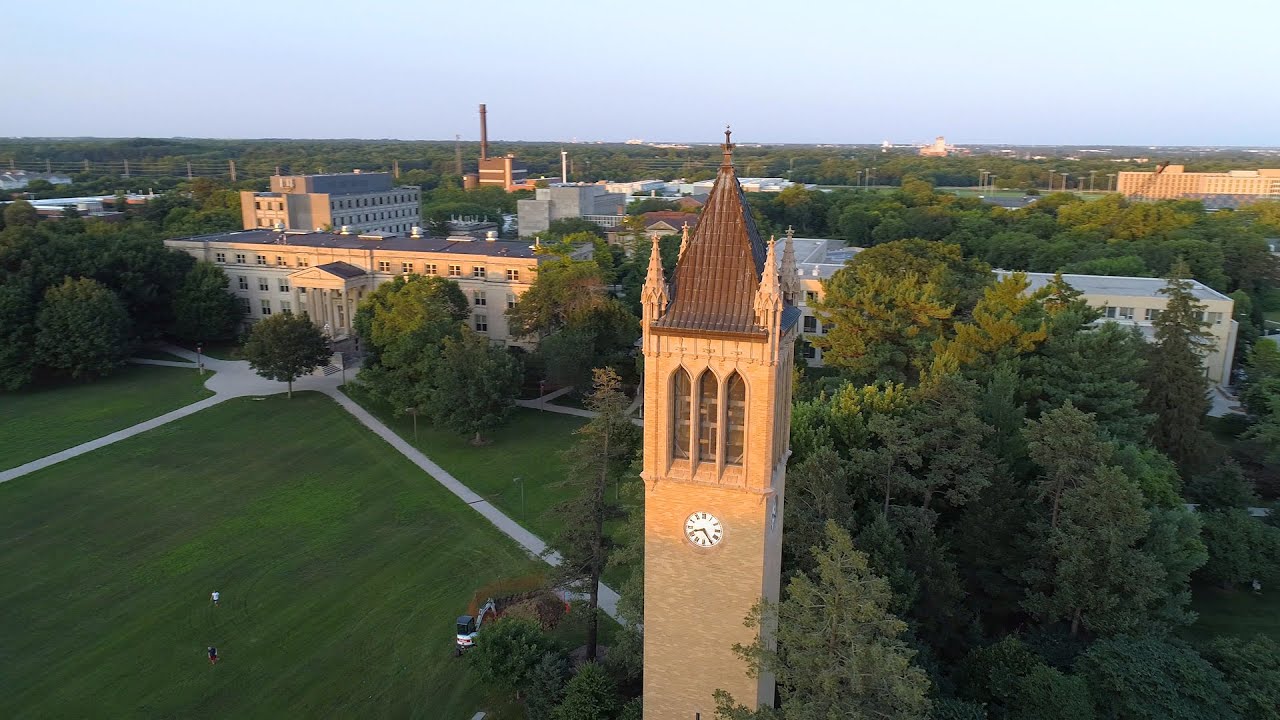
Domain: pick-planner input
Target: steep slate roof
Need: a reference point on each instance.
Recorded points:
(714, 284)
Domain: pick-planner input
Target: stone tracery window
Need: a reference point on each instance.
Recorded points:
(735, 419)
(708, 416)
(681, 404)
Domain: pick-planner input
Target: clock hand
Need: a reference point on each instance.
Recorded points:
(705, 534)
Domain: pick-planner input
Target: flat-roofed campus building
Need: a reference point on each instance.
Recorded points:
(359, 201)
(592, 202)
(1137, 301)
(1221, 189)
(326, 275)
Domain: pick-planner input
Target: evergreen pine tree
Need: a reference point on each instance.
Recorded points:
(1175, 380)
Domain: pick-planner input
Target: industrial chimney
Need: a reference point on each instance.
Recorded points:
(484, 135)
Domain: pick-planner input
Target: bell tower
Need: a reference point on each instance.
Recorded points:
(718, 353)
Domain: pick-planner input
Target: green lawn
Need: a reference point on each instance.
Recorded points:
(35, 423)
(528, 447)
(1242, 613)
(152, 354)
(341, 567)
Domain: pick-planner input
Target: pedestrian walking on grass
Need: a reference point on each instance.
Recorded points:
(216, 597)
(213, 655)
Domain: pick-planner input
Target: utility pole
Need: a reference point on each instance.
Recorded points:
(231, 165)
(1111, 182)
(188, 169)
(86, 165)
(395, 168)
(48, 167)
(1091, 174)
(457, 153)
(126, 168)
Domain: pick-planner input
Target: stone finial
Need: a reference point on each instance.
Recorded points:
(684, 239)
(790, 273)
(768, 303)
(654, 294)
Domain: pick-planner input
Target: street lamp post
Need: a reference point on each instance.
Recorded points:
(520, 481)
(982, 180)
(199, 358)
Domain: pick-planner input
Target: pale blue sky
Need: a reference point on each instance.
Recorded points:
(1185, 72)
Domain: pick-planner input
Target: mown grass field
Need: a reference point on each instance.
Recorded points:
(341, 566)
(35, 423)
(528, 447)
(1241, 613)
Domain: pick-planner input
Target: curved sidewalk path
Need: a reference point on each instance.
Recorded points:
(234, 378)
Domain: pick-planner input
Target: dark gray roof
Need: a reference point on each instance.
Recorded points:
(398, 243)
(346, 271)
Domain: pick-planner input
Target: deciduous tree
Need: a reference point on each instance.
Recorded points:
(203, 309)
(82, 329)
(284, 347)
(474, 385)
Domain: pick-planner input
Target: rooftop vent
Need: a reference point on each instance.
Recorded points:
(346, 230)
(415, 231)
(491, 235)
(279, 226)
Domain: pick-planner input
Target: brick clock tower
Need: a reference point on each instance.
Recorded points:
(718, 355)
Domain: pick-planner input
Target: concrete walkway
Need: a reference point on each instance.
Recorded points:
(234, 378)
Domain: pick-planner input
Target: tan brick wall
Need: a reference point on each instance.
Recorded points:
(696, 599)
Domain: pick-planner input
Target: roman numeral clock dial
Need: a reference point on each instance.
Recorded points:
(703, 529)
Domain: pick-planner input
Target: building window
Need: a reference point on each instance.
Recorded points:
(384, 265)
(286, 307)
(482, 323)
(244, 282)
(480, 300)
(511, 300)
(680, 414)
(736, 419)
(262, 259)
(455, 271)
(266, 307)
(1152, 314)
(239, 258)
(708, 416)
(810, 352)
(1118, 313)
(478, 272)
(244, 305)
(284, 285)
(513, 275)
(280, 261)
(810, 325)
(263, 286)
(406, 267)
(257, 204)
(220, 257)
(429, 268)
(810, 296)
(302, 262)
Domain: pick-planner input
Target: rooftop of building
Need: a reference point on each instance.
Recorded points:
(1117, 285)
(817, 257)
(460, 245)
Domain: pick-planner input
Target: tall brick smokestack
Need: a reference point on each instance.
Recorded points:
(484, 135)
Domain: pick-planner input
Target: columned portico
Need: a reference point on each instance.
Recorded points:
(329, 294)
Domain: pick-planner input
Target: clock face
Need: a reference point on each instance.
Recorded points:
(703, 529)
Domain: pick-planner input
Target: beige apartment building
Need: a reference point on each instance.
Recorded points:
(326, 275)
(1175, 182)
(361, 202)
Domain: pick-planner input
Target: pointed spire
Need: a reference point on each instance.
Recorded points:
(790, 273)
(684, 239)
(768, 304)
(654, 294)
(728, 149)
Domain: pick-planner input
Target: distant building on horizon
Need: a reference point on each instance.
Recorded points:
(1217, 189)
(591, 202)
(362, 202)
(937, 149)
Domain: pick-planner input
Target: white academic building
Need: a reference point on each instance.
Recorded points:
(1135, 301)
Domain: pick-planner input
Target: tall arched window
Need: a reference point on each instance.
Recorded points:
(708, 416)
(735, 419)
(681, 402)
